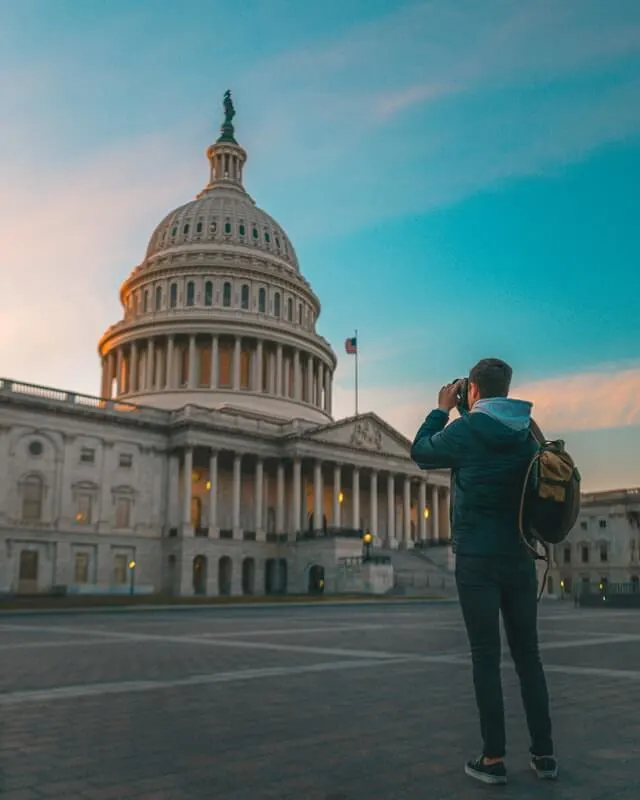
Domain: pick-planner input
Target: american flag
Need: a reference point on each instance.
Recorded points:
(351, 345)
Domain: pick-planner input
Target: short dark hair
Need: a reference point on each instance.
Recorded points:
(492, 376)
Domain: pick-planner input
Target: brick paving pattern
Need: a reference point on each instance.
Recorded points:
(306, 703)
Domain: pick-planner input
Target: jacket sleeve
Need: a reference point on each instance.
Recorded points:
(437, 446)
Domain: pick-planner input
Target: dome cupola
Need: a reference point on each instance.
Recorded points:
(218, 312)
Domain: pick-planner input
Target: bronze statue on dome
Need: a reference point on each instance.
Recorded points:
(226, 129)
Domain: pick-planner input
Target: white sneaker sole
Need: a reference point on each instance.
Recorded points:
(544, 776)
(483, 777)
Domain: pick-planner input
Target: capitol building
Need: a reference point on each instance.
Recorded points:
(209, 462)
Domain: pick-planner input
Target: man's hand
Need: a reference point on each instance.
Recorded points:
(448, 396)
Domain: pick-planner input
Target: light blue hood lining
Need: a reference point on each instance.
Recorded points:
(515, 414)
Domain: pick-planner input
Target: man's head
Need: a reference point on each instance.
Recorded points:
(490, 377)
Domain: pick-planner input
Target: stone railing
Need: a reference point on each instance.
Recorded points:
(61, 396)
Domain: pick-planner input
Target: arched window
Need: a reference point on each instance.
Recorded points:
(208, 293)
(145, 304)
(300, 314)
(226, 295)
(173, 295)
(262, 301)
(32, 496)
(191, 293)
(244, 298)
(158, 297)
(276, 304)
(290, 310)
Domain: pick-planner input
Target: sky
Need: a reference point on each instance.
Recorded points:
(459, 179)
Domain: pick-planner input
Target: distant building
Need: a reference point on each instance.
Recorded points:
(210, 463)
(604, 546)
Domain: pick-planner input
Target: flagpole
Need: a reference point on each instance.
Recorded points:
(357, 349)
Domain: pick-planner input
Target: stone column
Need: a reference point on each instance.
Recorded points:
(422, 505)
(109, 382)
(237, 351)
(213, 494)
(280, 497)
(319, 379)
(191, 381)
(297, 494)
(259, 523)
(237, 485)
(356, 498)
(337, 480)
(373, 503)
(215, 362)
(446, 522)
(279, 370)
(259, 379)
(435, 513)
(406, 512)
(391, 509)
(310, 378)
(148, 382)
(169, 374)
(327, 390)
(134, 367)
(186, 482)
(119, 362)
(317, 495)
(297, 376)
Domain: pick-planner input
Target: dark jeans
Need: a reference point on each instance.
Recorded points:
(487, 586)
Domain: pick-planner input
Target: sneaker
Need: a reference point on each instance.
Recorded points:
(545, 767)
(487, 773)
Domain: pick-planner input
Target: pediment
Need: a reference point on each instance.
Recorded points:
(365, 432)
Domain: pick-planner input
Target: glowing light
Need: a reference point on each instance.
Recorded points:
(132, 564)
(341, 497)
(426, 512)
(208, 485)
(367, 537)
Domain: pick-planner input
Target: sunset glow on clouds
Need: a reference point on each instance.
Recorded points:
(459, 180)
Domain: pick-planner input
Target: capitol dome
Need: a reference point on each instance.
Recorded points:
(218, 313)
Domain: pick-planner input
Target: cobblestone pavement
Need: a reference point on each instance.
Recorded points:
(307, 703)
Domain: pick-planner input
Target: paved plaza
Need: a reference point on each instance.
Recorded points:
(303, 703)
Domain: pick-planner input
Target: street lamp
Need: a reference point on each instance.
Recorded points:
(132, 576)
(367, 539)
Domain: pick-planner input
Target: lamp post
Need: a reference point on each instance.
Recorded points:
(367, 539)
(132, 576)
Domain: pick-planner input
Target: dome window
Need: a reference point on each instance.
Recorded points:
(241, 229)
(208, 293)
(227, 227)
(276, 304)
(173, 295)
(278, 242)
(213, 227)
(199, 227)
(267, 238)
(226, 295)
(255, 233)
(300, 314)
(290, 310)
(191, 293)
(185, 230)
(262, 301)
(244, 297)
(158, 297)
(145, 303)
(174, 230)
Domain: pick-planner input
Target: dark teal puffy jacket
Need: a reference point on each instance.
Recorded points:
(488, 452)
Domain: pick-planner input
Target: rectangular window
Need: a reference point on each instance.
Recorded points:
(276, 304)
(208, 293)
(32, 492)
(158, 297)
(567, 555)
(191, 293)
(173, 295)
(585, 554)
(123, 512)
(125, 460)
(120, 569)
(81, 568)
(225, 367)
(262, 301)
(603, 523)
(604, 552)
(245, 369)
(84, 502)
(204, 372)
(226, 295)
(244, 297)
(87, 455)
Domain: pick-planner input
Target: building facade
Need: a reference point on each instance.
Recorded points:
(604, 546)
(210, 462)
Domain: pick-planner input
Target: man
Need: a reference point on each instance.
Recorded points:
(488, 450)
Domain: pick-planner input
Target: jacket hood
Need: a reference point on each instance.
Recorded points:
(501, 421)
(515, 414)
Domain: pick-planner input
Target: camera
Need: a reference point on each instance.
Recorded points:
(463, 395)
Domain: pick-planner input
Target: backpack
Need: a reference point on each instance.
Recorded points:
(550, 501)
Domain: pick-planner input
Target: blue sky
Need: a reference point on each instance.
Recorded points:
(458, 179)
